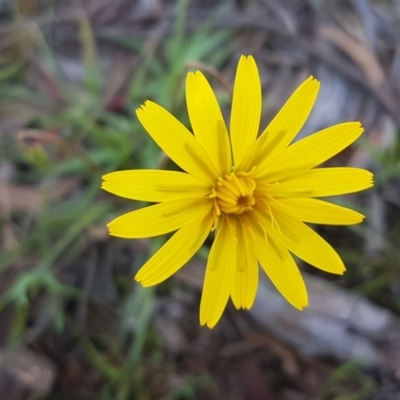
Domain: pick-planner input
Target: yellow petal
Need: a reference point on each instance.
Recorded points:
(285, 126)
(176, 252)
(306, 244)
(219, 276)
(207, 121)
(317, 211)
(177, 142)
(281, 269)
(154, 185)
(246, 111)
(322, 182)
(313, 150)
(160, 218)
(245, 283)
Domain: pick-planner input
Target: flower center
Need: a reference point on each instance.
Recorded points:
(233, 194)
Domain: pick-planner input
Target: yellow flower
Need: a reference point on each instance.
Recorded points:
(255, 192)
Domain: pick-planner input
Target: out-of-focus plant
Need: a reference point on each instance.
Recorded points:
(348, 382)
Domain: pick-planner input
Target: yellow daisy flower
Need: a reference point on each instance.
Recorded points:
(255, 192)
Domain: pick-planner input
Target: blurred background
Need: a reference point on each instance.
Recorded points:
(73, 323)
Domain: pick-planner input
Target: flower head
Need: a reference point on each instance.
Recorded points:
(256, 193)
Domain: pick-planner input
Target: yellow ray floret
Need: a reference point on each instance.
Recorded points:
(313, 150)
(159, 219)
(286, 125)
(207, 121)
(154, 185)
(178, 250)
(317, 211)
(245, 282)
(246, 111)
(177, 142)
(322, 182)
(220, 272)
